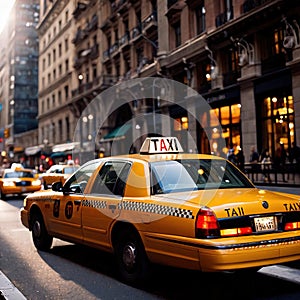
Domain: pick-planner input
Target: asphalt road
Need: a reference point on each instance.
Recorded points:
(74, 272)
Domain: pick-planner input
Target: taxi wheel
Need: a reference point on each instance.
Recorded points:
(2, 196)
(131, 258)
(41, 239)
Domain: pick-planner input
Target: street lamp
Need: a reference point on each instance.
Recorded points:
(213, 64)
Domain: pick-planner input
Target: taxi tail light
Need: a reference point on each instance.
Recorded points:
(207, 225)
(292, 226)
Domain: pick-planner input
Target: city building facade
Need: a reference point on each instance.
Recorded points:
(242, 56)
(19, 75)
(55, 31)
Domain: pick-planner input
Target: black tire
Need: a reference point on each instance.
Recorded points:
(45, 186)
(131, 258)
(2, 196)
(41, 239)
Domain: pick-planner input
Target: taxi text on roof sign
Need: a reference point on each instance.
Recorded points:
(156, 145)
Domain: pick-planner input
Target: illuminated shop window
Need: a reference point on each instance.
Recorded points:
(181, 124)
(229, 117)
(278, 124)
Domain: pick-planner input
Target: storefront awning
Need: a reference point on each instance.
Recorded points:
(32, 150)
(64, 147)
(116, 134)
(58, 154)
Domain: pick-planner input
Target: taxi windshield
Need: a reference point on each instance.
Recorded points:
(194, 174)
(70, 170)
(22, 174)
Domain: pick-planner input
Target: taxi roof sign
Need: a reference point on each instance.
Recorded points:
(155, 145)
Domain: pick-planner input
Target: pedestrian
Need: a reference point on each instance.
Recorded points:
(254, 161)
(240, 159)
(280, 160)
(294, 154)
(231, 156)
(266, 162)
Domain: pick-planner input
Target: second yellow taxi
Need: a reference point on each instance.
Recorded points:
(163, 206)
(59, 172)
(18, 181)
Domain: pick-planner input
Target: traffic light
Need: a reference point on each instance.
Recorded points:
(6, 133)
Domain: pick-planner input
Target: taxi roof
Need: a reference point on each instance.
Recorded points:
(158, 157)
(17, 169)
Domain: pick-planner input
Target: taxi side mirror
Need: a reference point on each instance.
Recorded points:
(57, 186)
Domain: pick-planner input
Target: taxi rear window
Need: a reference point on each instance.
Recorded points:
(194, 174)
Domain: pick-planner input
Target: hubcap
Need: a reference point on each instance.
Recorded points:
(36, 229)
(129, 256)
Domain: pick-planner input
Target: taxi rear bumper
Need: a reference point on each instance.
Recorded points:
(250, 256)
(219, 255)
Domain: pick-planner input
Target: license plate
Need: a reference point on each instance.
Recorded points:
(265, 224)
(23, 189)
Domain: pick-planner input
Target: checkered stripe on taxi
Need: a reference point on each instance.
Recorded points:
(94, 203)
(156, 209)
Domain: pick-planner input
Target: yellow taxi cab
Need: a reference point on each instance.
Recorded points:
(162, 206)
(57, 173)
(18, 181)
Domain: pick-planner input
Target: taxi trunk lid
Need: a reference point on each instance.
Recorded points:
(237, 202)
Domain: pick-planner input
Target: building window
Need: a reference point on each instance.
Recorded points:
(68, 129)
(66, 44)
(60, 130)
(59, 50)
(53, 100)
(200, 19)
(66, 88)
(67, 65)
(278, 122)
(67, 16)
(94, 71)
(59, 98)
(232, 70)
(229, 117)
(177, 33)
(181, 123)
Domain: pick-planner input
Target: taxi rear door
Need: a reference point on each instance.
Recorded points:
(102, 203)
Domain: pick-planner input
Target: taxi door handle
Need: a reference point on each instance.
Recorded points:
(77, 202)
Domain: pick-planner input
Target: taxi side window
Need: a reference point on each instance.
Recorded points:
(79, 180)
(111, 178)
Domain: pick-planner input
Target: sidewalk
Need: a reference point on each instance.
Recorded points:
(289, 179)
(8, 290)
(285, 189)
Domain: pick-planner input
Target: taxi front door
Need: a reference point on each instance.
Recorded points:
(66, 216)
